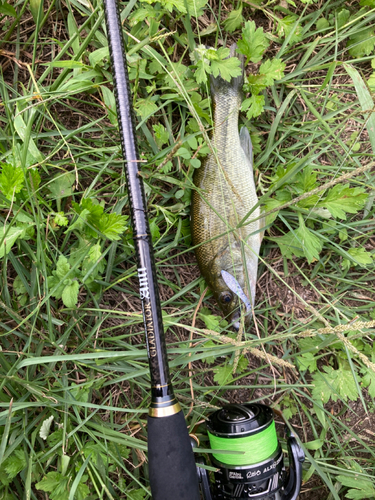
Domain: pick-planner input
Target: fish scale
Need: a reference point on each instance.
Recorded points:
(225, 194)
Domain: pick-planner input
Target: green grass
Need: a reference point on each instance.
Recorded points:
(72, 343)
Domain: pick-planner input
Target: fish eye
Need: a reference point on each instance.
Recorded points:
(225, 297)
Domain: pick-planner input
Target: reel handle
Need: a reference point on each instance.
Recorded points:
(203, 479)
(296, 458)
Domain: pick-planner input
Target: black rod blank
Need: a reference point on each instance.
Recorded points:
(172, 469)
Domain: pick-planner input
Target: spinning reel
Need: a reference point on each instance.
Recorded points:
(248, 456)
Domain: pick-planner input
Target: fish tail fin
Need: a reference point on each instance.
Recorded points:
(219, 85)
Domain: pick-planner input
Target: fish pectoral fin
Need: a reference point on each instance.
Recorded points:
(246, 144)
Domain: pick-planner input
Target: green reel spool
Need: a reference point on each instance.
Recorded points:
(255, 448)
(246, 452)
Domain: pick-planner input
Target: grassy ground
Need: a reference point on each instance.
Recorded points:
(73, 366)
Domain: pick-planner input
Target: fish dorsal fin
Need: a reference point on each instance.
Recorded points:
(246, 144)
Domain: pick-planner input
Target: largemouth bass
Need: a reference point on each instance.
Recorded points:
(227, 253)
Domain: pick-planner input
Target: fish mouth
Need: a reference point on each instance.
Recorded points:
(235, 319)
(245, 307)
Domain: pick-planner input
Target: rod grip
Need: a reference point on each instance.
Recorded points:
(172, 468)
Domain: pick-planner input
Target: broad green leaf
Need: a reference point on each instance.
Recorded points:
(322, 388)
(70, 294)
(211, 321)
(371, 81)
(203, 68)
(146, 107)
(95, 253)
(8, 10)
(80, 393)
(112, 225)
(286, 25)
(79, 223)
(253, 42)
(46, 426)
(138, 494)
(61, 186)
(314, 445)
(223, 374)
(226, 68)
(311, 244)
(33, 178)
(360, 487)
(334, 384)
(89, 211)
(141, 14)
(272, 69)
(99, 56)
(96, 451)
(243, 363)
(56, 484)
(110, 102)
(234, 20)
(82, 491)
(195, 163)
(342, 17)
(93, 206)
(362, 43)
(138, 68)
(307, 361)
(11, 180)
(289, 245)
(65, 459)
(368, 381)
(161, 134)
(192, 141)
(321, 24)
(361, 255)
(270, 204)
(60, 219)
(341, 199)
(207, 346)
(9, 235)
(18, 286)
(15, 463)
(184, 153)
(54, 281)
(195, 7)
(62, 267)
(154, 230)
(55, 437)
(345, 385)
(253, 106)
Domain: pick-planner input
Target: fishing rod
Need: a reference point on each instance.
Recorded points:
(246, 454)
(172, 468)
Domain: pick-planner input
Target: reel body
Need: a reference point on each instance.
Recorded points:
(249, 458)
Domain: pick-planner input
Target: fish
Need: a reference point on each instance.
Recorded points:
(225, 192)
